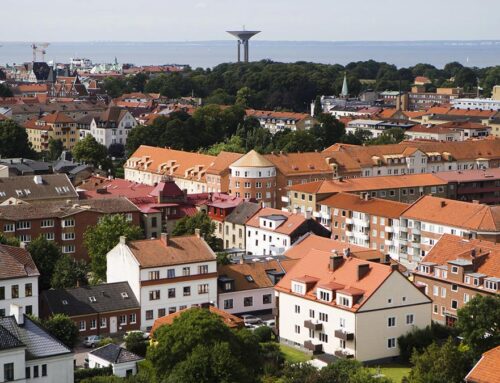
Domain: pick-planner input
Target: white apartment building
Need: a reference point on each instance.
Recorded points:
(165, 274)
(476, 103)
(111, 126)
(30, 354)
(348, 307)
(18, 281)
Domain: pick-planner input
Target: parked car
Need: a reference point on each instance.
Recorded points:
(250, 319)
(145, 335)
(92, 340)
(270, 323)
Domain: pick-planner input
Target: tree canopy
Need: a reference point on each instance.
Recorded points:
(63, 328)
(187, 226)
(89, 151)
(68, 273)
(46, 255)
(14, 141)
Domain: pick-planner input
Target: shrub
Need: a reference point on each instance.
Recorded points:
(264, 333)
(85, 373)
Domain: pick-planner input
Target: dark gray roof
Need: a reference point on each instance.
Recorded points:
(39, 343)
(115, 354)
(39, 187)
(78, 301)
(7, 340)
(22, 166)
(243, 212)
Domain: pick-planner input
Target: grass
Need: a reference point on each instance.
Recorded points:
(393, 371)
(293, 355)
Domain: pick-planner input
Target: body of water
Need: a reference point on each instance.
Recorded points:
(210, 53)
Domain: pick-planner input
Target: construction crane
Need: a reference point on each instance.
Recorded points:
(39, 48)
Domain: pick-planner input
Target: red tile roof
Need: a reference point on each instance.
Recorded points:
(292, 221)
(16, 262)
(487, 369)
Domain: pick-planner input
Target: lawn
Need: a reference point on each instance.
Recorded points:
(293, 355)
(394, 371)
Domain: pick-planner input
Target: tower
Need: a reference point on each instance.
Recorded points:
(345, 89)
(243, 37)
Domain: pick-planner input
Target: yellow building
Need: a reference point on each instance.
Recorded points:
(56, 126)
(496, 92)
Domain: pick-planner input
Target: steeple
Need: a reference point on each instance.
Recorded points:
(345, 90)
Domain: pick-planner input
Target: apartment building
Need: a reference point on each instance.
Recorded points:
(37, 189)
(165, 274)
(219, 171)
(18, 281)
(272, 231)
(111, 126)
(249, 287)
(55, 126)
(279, 121)
(62, 222)
(428, 219)
(218, 207)
(348, 307)
(455, 271)
(28, 353)
(234, 225)
(363, 221)
(104, 309)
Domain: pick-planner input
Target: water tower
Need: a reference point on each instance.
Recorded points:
(243, 37)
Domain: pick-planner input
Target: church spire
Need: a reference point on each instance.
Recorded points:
(345, 89)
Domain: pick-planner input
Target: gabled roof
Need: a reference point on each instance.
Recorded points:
(115, 354)
(113, 114)
(373, 206)
(222, 162)
(180, 250)
(252, 159)
(467, 215)
(300, 163)
(243, 212)
(292, 221)
(39, 187)
(86, 300)
(16, 262)
(486, 369)
(7, 340)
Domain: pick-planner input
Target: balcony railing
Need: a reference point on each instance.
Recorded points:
(344, 335)
(343, 353)
(316, 326)
(389, 229)
(315, 348)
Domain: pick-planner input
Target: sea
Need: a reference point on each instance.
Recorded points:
(207, 54)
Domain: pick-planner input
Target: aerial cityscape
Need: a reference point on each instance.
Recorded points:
(264, 192)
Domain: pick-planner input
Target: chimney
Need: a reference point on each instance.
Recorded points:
(363, 270)
(347, 252)
(473, 253)
(164, 238)
(17, 311)
(197, 232)
(443, 203)
(335, 262)
(123, 240)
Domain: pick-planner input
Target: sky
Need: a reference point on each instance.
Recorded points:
(297, 20)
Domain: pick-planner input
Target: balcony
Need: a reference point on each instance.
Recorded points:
(349, 233)
(315, 348)
(403, 229)
(363, 236)
(389, 242)
(316, 326)
(285, 199)
(344, 335)
(415, 245)
(316, 214)
(415, 231)
(325, 215)
(343, 353)
(389, 229)
(349, 221)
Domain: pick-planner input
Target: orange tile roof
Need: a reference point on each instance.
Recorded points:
(300, 163)
(292, 222)
(312, 241)
(183, 164)
(450, 247)
(57, 118)
(472, 216)
(154, 253)
(277, 115)
(232, 321)
(486, 369)
(373, 206)
(386, 113)
(315, 265)
(221, 163)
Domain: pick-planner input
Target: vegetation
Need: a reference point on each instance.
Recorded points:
(14, 141)
(89, 151)
(4, 89)
(46, 255)
(56, 148)
(293, 355)
(101, 238)
(68, 273)
(9, 241)
(86, 374)
(187, 226)
(136, 343)
(63, 328)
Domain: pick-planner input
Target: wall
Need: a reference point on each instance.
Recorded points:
(16, 356)
(23, 300)
(238, 297)
(59, 369)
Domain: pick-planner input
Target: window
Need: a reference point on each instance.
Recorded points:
(454, 269)
(171, 292)
(8, 372)
(443, 292)
(28, 289)
(454, 287)
(323, 337)
(311, 313)
(391, 322)
(203, 289)
(82, 325)
(454, 304)
(391, 343)
(149, 314)
(23, 225)
(122, 319)
(154, 275)
(93, 324)
(49, 236)
(68, 249)
(35, 372)
(8, 228)
(323, 317)
(186, 271)
(104, 323)
(70, 222)
(435, 291)
(47, 223)
(29, 309)
(297, 329)
(298, 288)
(324, 296)
(203, 269)
(342, 344)
(267, 299)
(68, 236)
(44, 370)
(228, 304)
(490, 285)
(14, 291)
(132, 318)
(248, 301)
(435, 309)
(410, 319)
(28, 372)
(2, 293)
(154, 295)
(297, 309)
(343, 301)
(170, 273)
(466, 298)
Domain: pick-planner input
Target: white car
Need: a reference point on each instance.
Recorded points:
(145, 335)
(250, 319)
(270, 323)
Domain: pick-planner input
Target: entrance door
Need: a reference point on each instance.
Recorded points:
(113, 325)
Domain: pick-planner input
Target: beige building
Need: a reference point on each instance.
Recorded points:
(234, 225)
(495, 95)
(56, 126)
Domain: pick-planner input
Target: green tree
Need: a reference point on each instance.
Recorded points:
(14, 141)
(90, 151)
(9, 241)
(389, 136)
(318, 107)
(136, 343)
(199, 347)
(45, 254)
(359, 137)
(244, 97)
(56, 147)
(115, 86)
(479, 325)
(264, 333)
(233, 144)
(68, 273)
(5, 90)
(187, 226)
(437, 364)
(101, 238)
(63, 328)
(328, 131)
(223, 258)
(300, 373)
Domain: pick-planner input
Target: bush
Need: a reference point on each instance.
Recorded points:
(105, 341)
(135, 343)
(264, 333)
(85, 373)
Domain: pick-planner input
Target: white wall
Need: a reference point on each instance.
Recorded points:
(23, 300)
(118, 369)
(59, 369)
(238, 300)
(122, 266)
(16, 356)
(254, 234)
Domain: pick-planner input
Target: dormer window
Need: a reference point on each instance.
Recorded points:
(124, 295)
(454, 269)
(491, 285)
(298, 288)
(476, 282)
(343, 301)
(249, 278)
(324, 295)
(92, 299)
(65, 302)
